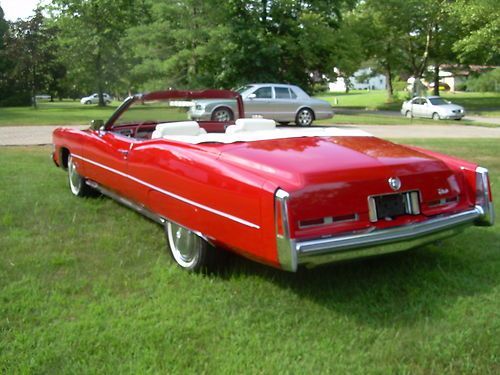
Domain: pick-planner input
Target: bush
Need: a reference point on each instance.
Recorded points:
(16, 100)
(485, 82)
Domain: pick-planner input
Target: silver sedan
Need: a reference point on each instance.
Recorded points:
(279, 102)
(433, 107)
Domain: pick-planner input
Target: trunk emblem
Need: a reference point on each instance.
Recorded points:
(443, 191)
(394, 183)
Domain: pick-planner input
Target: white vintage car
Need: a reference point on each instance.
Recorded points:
(433, 107)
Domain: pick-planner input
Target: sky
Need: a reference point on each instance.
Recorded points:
(15, 9)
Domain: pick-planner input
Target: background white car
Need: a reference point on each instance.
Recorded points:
(433, 107)
(94, 99)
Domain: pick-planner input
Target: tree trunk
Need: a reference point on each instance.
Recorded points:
(388, 79)
(98, 68)
(436, 80)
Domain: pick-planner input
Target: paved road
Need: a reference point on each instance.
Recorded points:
(350, 111)
(41, 135)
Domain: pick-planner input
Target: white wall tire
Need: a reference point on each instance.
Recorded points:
(189, 251)
(77, 183)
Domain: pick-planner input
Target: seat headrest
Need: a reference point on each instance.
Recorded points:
(251, 124)
(177, 128)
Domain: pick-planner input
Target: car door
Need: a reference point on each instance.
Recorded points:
(427, 109)
(106, 156)
(259, 102)
(418, 108)
(285, 104)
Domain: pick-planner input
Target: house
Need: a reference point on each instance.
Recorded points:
(363, 79)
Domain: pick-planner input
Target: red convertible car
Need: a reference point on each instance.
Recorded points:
(283, 196)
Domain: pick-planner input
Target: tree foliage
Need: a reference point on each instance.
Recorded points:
(480, 19)
(124, 46)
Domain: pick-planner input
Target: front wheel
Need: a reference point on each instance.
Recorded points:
(222, 114)
(408, 114)
(88, 102)
(76, 182)
(305, 117)
(190, 251)
(435, 116)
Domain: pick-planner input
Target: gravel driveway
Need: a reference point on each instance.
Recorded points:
(41, 135)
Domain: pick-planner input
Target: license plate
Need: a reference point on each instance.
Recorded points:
(390, 206)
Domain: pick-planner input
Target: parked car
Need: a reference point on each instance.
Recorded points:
(283, 196)
(94, 99)
(433, 107)
(283, 103)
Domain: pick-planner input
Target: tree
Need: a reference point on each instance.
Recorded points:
(217, 43)
(90, 34)
(480, 21)
(29, 58)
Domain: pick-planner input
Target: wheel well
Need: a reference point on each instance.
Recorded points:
(310, 109)
(64, 155)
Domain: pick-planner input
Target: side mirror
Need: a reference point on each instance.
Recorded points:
(96, 124)
(251, 96)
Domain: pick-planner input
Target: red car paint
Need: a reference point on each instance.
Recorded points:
(226, 191)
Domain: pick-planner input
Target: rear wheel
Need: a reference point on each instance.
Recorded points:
(305, 117)
(222, 114)
(76, 182)
(435, 116)
(190, 251)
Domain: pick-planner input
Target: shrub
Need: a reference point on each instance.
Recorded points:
(485, 82)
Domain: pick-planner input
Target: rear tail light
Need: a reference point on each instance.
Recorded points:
(484, 200)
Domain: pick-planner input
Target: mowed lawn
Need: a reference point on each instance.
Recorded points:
(70, 112)
(86, 286)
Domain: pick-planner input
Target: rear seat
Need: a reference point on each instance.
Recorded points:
(177, 128)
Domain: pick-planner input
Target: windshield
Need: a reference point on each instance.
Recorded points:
(438, 101)
(154, 111)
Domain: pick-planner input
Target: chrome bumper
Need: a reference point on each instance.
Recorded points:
(356, 245)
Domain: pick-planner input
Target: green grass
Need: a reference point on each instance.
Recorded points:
(74, 113)
(375, 119)
(362, 99)
(86, 286)
(487, 103)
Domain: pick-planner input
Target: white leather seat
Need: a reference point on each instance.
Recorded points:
(177, 128)
(251, 125)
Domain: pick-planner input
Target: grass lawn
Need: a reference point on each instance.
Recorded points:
(361, 118)
(73, 113)
(484, 104)
(86, 286)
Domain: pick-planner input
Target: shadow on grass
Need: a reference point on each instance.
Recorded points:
(402, 288)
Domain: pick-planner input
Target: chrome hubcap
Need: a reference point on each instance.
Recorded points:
(185, 245)
(222, 116)
(305, 118)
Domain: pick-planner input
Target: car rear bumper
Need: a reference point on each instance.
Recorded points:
(313, 252)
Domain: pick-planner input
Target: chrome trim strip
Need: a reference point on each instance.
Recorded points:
(175, 196)
(139, 208)
(378, 237)
(487, 217)
(287, 255)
